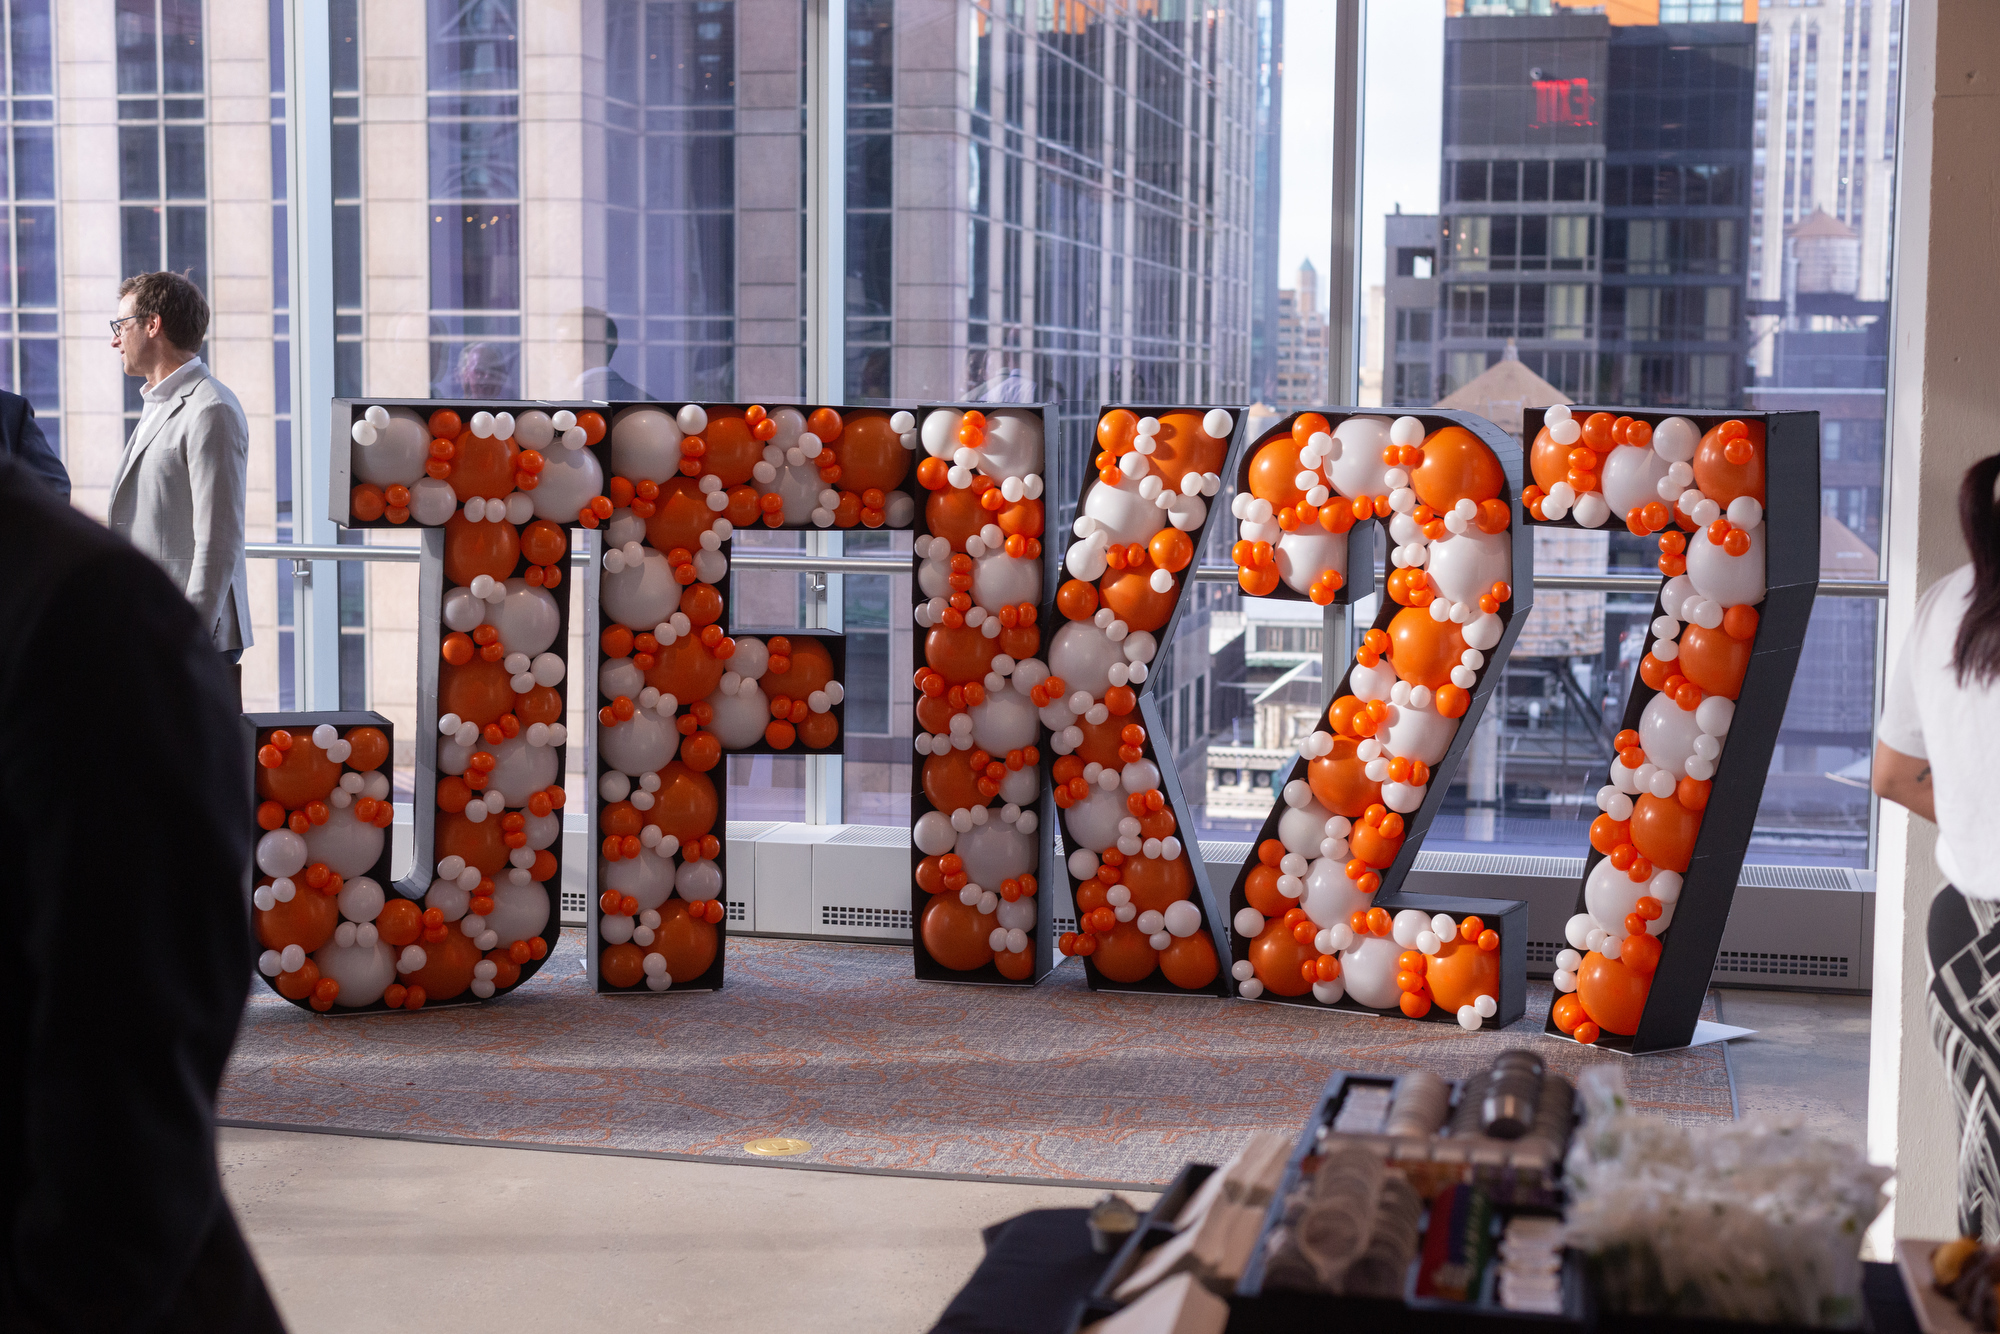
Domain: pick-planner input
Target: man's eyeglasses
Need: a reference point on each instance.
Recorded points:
(118, 325)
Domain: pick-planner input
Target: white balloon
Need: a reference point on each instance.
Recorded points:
(521, 770)
(1124, 514)
(363, 971)
(1016, 916)
(799, 485)
(1418, 734)
(1021, 786)
(1013, 445)
(642, 744)
(642, 596)
(1676, 439)
(401, 449)
(939, 432)
(1369, 970)
(1668, 733)
(1729, 581)
(1302, 828)
(1611, 895)
(740, 719)
(994, 852)
(1330, 897)
(462, 611)
(645, 444)
(1006, 720)
(350, 846)
(933, 834)
(361, 899)
(1093, 822)
(1082, 655)
(1357, 469)
(281, 852)
(1465, 566)
(519, 911)
(534, 430)
(1000, 580)
(646, 878)
(1714, 715)
(571, 479)
(1632, 477)
(1304, 555)
(543, 830)
(432, 501)
(1372, 682)
(698, 881)
(527, 618)
(620, 676)
(1182, 918)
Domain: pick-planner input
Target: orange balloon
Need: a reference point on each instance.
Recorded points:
(686, 670)
(811, 669)
(1664, 830)
(472, 549)
(1115, 430)
(621, 965)
(959, 655)
(732, 450)
(1713, 660)
(368, 748)
(1457, 466)
(1157, 883)
(956, 935)
(1101, 741)
(298, 985)
(448, 965)
(954, 514)
(702, 604)
(934, 712)
(950, 784)
(482, 844)
(1190, 963)
(482, 468)
(1023, 516)
(1340, 780)
(1548, 461)
(1077, 600)
(543, 543)
(686, 804)
(307, 920)
(1274, 471)
(400, 922)
(819, 730)
(1278, 959)
(1126, 955)
(1461, 972)
(542, 704)
(1023, 641)
(478, 691)
(1183, 447)
(1424, 651)
(871, 455)
(1130, 595)
(1613, 995)
(680, 516)
(688, 943)
(1260, 890)
(1722, 481)
(306, 775)
(1373, 847)
(1018, 966)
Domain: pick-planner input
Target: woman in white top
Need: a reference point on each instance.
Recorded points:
(1934, 752)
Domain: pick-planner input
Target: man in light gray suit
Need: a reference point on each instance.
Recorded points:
(179, 496)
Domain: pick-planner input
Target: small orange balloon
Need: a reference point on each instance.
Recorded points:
(1132, 599)
(1274, 471)
(1171, 549)
(1156, 883)
(542, 704)
(1126, 955)
(481, 844)
(957, 935)
(688, 943)
(305, 775)
(1375, 848)
(1190, 963)
(543, 543)
(1017, 966)
(482, 468)
(1340, 780)
(1101, 741)
(1116, 429)
(472, 549)
(810, 670)
(872, 455)
(1714, 660)
(1612, 994)
(686, 670)
(680, 516)
(950, 783)
(1424, 651)
(959, 655)
(1260, 890)
(1461, 972)
(1279, 959)
(954, 514)
(622, 965)
(1077, 600)
(448, 965)
(685, 805)
(478, 691)
(1720, 479)
(1606, 833)
(367, 748)
(1457, 466)
(399, 923)
(702, 604)
(298, 985)
(819, 730)
(307, 920)
(1183, 447)
(1664, 830)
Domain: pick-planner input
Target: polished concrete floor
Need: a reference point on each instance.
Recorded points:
(368, 1234)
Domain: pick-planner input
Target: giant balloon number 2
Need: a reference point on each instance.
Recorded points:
(1317, 915)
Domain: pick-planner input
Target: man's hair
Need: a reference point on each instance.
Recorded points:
(182, 309)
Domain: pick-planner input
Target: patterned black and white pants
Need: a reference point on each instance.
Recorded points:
(1964, 1004)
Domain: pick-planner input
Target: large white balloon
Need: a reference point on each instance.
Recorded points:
(363, 971)
(939, 432)
(1372, 682)
(1000, 580)
(1021, 786)
(1465, 566)
(647, 878)
(1303, 828)
(400, 451)
(994, 852)
(533, 429)
(932, 833)
(1369, 969)
(1728, 581)
(432, 501)
(1093, 822)
(740, 719)
(462, 611)
(641, 596)
(361, 899)
(698, 881)
(620, 676)
(1610, 895)
(519, 911)
(642, 744)
(1330, 897)
(521, 770)
(1357, 469)
(1005, 721)
(527, 618)
(571, 479)
(1083, 655)
(645, 443)
(1013, 445)
(1418, 734)
(1668, 733)
(1308, 553)
(281, 852)
(1124, 514)
(348, 845)
(1632, 477)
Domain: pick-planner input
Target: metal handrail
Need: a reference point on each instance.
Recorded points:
(1213, 574)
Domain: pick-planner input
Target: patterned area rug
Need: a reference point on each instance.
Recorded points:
(840, 1046)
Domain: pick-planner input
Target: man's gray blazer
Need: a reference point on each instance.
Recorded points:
(179, 498)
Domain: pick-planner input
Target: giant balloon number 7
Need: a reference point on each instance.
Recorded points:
(1317, 912)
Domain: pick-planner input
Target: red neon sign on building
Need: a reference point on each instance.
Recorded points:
(1563, 103)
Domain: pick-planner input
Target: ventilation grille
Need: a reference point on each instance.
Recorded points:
(575, 905)
(874, 919)
(1746, 964)
(871, 836)
(1793, 877)
(1236, 853)
(1493, 863)
(751, 829)
(1543, 952)
(739, 911)
(1063, 924)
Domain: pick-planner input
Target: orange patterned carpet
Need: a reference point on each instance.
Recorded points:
(840, 1046)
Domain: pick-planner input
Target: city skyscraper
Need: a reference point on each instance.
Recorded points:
(1302, 342)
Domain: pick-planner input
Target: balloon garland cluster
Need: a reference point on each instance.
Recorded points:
(1305, 909)
(1137, 530)
(1702, 493)
(678, 690)
(979, 585)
